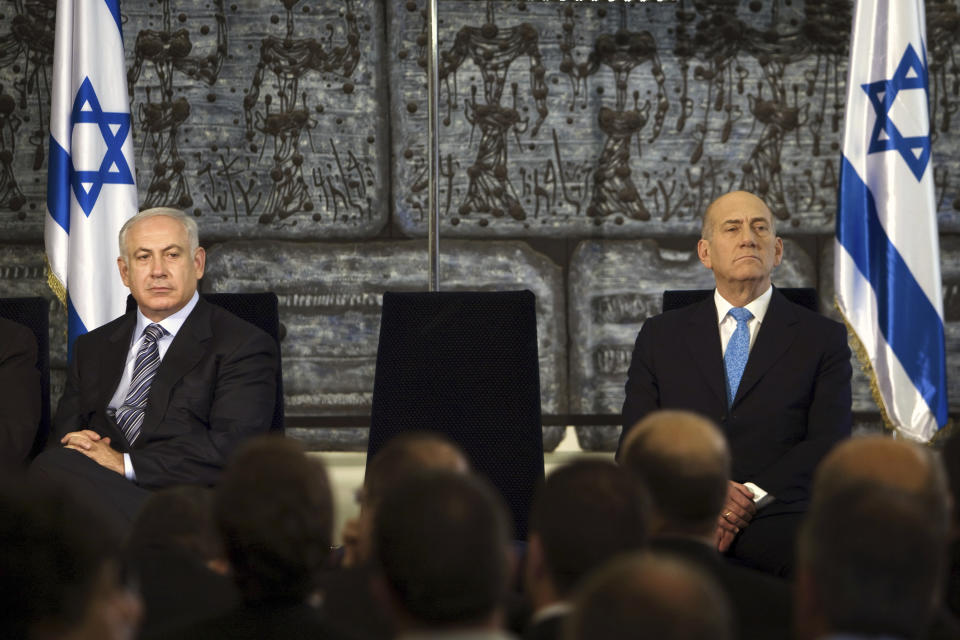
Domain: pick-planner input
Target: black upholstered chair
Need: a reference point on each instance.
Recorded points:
(34, 313)
(262, 311)
(465, 364)
(679, 298)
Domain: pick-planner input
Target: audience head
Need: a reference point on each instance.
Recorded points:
(404, 455)
(178, 517)
(885, 462)
(442, 542)
(650, 596)
(160, 260)
(274, 510)
(869, 562)
(59, 573)
(950, 455)
(684, 461)
(585, 513)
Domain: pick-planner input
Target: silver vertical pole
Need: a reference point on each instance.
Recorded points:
(433, 141)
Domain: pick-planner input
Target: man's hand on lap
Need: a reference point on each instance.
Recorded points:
(95, 447)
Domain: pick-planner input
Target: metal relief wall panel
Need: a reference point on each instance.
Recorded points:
(614, 286)
(264, 119)
(330, 300)
(620, 119)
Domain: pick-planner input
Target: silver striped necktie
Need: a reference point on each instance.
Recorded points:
(130, 414)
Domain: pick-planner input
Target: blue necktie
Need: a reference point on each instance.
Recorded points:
(130, 414)
(738, 349)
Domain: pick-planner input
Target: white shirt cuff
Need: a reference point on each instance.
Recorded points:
(760, 497)
(128, 472)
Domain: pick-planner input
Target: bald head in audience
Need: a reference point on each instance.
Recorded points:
(684, 461)
(885, 462)
(403, 456)
(870, 561)
(650, 596)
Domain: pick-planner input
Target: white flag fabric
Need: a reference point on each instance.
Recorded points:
(91, 189)
(887, 268)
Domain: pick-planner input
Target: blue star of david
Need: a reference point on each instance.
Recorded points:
(882, 95)
(113, 168)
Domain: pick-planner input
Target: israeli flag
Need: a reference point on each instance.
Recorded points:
(887, 269)
(91, 189)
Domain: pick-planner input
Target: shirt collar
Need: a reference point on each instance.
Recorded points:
(171, 324)
(758, 307)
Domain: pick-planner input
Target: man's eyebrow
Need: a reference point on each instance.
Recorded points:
(733, 221)
(759, 219)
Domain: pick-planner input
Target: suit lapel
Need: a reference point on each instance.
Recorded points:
(776, 334)
(114, 358)
(703, 340)
(184, 353)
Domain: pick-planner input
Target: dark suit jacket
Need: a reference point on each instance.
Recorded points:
(19, 393)
(761, 604)
(215, 386)
(280, 621)
(792, 405)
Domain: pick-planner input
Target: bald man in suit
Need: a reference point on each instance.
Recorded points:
(781, 411)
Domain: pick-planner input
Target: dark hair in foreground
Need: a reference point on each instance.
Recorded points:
(649, 596)
(405, 454)
(442, 542)
(875, 556)
(180, 517)
(275, 511)
(55, 551)
(585, 513)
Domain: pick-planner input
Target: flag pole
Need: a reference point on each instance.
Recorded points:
(433, 143)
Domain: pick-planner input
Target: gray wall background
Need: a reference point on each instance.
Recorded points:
(580, 144)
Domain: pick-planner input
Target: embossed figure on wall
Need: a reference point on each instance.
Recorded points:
(614, 191)
(493, 50)
(287, 60)
(27, 51)
(161, 116)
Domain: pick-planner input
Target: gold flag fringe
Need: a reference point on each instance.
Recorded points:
(938, 438)
(54, 283)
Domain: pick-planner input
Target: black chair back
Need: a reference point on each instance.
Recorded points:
(465, 364)
(34, 313)
(262, 311)
(679, 298)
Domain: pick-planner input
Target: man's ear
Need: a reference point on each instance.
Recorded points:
(124, 271)
(703, 252)
(199, 261)
(778, 251)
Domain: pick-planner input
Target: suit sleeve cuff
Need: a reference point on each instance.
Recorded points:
(128, 472)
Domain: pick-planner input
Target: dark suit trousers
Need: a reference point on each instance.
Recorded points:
(767, 544)
(117, 499)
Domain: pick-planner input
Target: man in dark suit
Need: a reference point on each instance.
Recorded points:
(19, 393)
(774, 375)
(684, 462)
(160, 396)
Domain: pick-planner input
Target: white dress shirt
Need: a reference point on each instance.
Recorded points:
(171, 325)
(728, 324)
